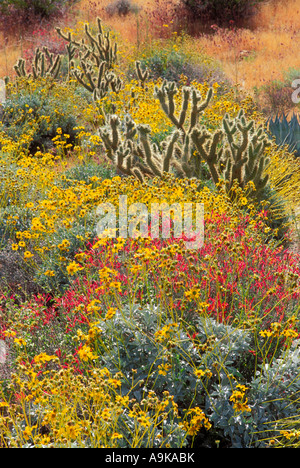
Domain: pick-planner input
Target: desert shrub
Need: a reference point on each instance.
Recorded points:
(271, 396)
(221, 11)
(121, 8)
(87, 173)
(172, 64)
(33, 113)
(43, 8)
(275, 97)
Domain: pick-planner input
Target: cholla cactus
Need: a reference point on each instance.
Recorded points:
(96, 56)
(142, 75)
(235, 152)
(133, 153)
(97, 49)
(166, 95)
(99, 83)
(45, 64)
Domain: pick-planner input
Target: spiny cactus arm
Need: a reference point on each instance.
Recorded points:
(142, 76)
(260, 180)
(101, 72)
(101, 48)
(139, 158)
(230, 128)
(138, 174)
(105, 136)
(197, 108)
(167, 92)
(144, 131)
(116, 83)
(261, 183)
(240, 157)
(206, 145)
(38, 65)
(186, 165)
(184, 106)
(67, 37)
(35, 72)
(86, 71)
(227, 171)
(55, 67)
(239, 150)
(124, 160)
(110, 137)
(20, 68)
(87, 31)
(48, 54)
(115, 123)
(255, 168)
(79, 77)
(71, 51)
(160, 94)
(130, 128)
(168, 156)
(99, 24)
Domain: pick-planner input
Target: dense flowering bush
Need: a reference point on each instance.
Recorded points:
(212, 320)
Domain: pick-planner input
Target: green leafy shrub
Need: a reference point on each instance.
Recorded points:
(171, 64)
(272, 396)
(35, 114)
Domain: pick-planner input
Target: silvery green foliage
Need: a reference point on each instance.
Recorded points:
(272, 395)
(132, 345)
(275, 391)
(228, 345)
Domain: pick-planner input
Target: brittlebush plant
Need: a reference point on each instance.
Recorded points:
(57, 408)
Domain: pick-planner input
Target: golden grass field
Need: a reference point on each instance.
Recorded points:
(269, 46)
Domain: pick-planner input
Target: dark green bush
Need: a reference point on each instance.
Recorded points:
(221, 11)
(43, 8)
(172, 64)
(38, 113)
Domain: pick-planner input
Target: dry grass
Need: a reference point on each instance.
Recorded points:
(250, 57)
(264, 52)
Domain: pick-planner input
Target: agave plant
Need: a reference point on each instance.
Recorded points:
(286, 132)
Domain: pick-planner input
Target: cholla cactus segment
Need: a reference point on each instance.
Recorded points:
(166, 94)
(142, 75)
(96, 56)
(45, 64)
(133, 152)
(234, 153)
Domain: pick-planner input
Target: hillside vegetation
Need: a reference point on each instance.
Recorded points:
(144, 334)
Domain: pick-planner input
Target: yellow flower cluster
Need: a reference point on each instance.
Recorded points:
(239, 399)
(165, 333)
(286, 330)
(197, 421)
(79, 410)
